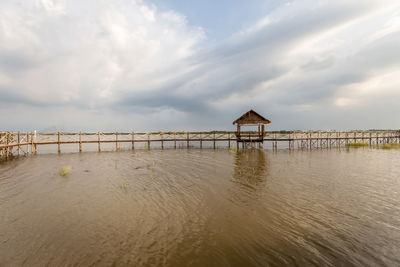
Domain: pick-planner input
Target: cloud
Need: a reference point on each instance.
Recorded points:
(300, 64)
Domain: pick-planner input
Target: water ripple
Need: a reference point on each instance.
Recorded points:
(202, 207)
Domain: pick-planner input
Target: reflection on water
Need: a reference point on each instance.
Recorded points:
(250, 168)
(202, 208)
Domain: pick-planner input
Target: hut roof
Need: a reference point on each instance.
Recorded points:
(251, 117)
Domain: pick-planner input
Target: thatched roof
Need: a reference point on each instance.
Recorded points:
(251, 117)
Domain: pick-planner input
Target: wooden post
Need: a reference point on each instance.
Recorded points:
(80, 141)
(32, 149)
(337, 139)
(214, 139)
(59, 144)
(327, 139)
(7, 142)
(35, 142)
(175, 140)
(187, 140)
(330, 140)
(229, 140)
(133, 140)
(162, 141)
(116, 141)
(319, 140)
(27, 143)
(148, 141)
(19, 143)
(370, 139)
(201, 141)
(98, 141)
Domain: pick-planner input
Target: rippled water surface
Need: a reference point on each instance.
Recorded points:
(202, 208)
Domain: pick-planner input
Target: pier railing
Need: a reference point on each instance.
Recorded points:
(23, 143)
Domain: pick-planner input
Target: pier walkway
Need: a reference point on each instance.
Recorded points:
(18, 143)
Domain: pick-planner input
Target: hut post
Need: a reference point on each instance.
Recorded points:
(98, 141)
(133, 140)
(19, 143)
(229, 140)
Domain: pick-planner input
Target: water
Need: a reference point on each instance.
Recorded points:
(202, 208)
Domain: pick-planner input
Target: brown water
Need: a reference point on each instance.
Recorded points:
(202, 208)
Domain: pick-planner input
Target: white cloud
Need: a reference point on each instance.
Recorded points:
(69, 59)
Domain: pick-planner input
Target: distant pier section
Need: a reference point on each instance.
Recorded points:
(25, 143)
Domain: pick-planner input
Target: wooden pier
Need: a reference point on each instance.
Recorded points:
(18, 143)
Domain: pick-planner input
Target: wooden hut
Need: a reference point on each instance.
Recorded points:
(251, 118)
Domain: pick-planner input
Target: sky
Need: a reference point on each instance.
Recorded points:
(165, 65)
